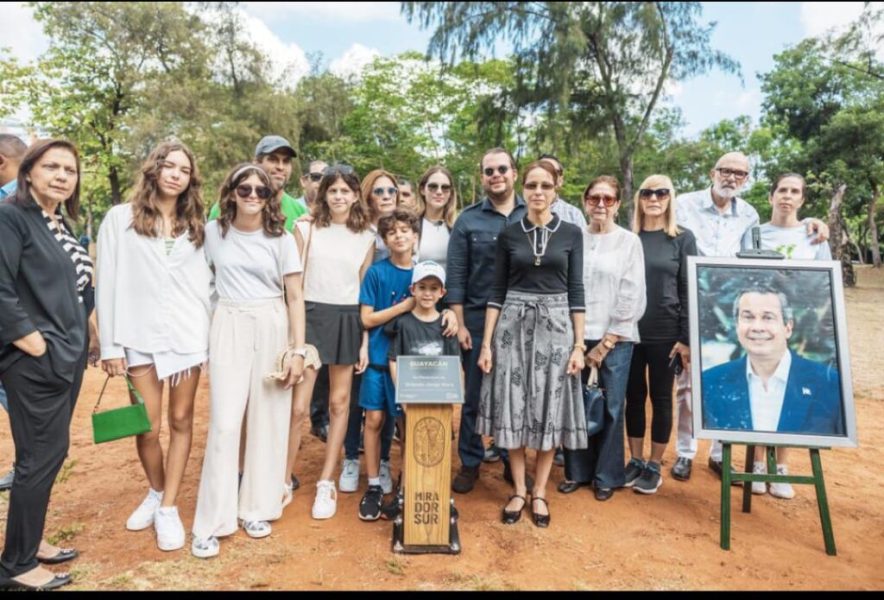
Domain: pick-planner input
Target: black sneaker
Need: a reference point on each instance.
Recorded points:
(681, 470)
(370, 506)
(390, 509)
(650, 480)
(492, 453)
(634, 470)
(465, 479)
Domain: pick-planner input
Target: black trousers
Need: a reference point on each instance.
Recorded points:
(653, 359)
(40, 408)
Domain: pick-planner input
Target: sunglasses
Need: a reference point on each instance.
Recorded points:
(244, 190)
(647, 194)
(339, 169)
(314, 177)
(379, 191)
(435, 187)
(725, 172)
(545, 186)
(489, 171)
(597, 199)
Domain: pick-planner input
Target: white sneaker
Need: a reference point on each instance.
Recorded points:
(205, 547)
(349, 480)
(143, 516)
(326, 502)
(256, 529)
(287, 493)
(170, 531)
(782, 490)
(386, 476)
(759, 487)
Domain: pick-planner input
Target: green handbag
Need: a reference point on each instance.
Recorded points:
(119, 422)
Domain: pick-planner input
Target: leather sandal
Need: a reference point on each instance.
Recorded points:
(540, 520)
(510, 517)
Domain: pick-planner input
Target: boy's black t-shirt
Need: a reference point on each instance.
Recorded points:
(414, 337)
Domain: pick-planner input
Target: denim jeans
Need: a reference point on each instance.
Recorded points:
(469, 444)
(602, 463)
(3, 401)
(354, 426)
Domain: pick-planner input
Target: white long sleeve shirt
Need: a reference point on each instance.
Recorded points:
(147, 300)
(614, 283)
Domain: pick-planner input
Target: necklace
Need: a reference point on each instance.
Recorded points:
(540, 243)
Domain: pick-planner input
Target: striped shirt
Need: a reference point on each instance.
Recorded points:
(78, 254)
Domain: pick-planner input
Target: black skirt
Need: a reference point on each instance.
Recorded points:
(335, 330)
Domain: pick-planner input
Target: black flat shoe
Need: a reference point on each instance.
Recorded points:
(567, 487)
(602, 494)
(510, 517)
(60, 579)
(63, 555)
(540, 520)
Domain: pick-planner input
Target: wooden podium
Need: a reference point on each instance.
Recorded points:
(427, 386)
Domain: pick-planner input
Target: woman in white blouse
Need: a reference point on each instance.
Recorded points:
(437, 205)
(614, 281)
(153, 305)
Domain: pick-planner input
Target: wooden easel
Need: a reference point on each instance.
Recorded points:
(748, 477)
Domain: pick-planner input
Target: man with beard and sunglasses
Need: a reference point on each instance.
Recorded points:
(722, 223)
(471, 252)
(274, 154)
(310, 183)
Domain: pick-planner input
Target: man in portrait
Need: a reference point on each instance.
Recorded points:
(770, 388)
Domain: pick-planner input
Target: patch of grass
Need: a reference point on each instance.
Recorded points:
(479, 583)
(395, 566)
(66, 533)
(66, 471)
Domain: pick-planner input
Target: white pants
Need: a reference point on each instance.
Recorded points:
(686, 443)
(244, 342)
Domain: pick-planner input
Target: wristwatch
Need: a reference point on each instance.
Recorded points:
(608, 343)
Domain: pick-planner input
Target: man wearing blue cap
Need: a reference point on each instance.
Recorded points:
(274, 154)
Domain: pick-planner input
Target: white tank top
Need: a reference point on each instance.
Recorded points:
(334, 258)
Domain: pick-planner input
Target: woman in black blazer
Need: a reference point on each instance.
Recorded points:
(45, 297)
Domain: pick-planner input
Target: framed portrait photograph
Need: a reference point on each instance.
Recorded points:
(770, 361)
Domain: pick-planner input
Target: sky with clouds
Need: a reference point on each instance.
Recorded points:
(345, 36)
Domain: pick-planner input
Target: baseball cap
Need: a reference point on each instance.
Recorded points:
(270, 143)
(428, 268)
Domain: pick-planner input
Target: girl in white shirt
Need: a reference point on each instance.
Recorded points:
(153, 289)
(338, 247)
(258, 322)
(437, 205)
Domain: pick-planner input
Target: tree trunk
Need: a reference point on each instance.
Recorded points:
(116, 189)
(626, 210)
(873, 229)
(838, 237)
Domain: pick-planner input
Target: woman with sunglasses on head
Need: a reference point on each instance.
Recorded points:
(259, 318)
(46, 297)
(614, 279)
(437, 205)
(786, 234)
(337, 248)
(153, 294)
(532, 348)
(663, 329)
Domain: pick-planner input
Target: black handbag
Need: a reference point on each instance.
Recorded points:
(593, 404)
(119, 422)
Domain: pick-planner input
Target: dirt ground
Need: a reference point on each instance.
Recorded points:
(667, 541)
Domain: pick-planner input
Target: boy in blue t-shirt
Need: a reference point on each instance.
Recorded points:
(384, 295)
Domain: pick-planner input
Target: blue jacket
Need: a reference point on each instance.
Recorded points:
(812, 404)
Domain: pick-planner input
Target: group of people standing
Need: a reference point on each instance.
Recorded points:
(280, 298)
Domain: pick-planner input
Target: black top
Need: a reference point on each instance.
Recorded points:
(520, 267)
(666, 278)
(470, 264)
(421, 338)
(38, 291)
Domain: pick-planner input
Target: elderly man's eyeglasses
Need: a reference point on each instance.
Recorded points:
(735, 173)
(647, 194)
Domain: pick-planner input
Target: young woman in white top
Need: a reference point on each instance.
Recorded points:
(437, 205)
(258, 320)
(338, 247)
(153, 308)
(786, 234)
